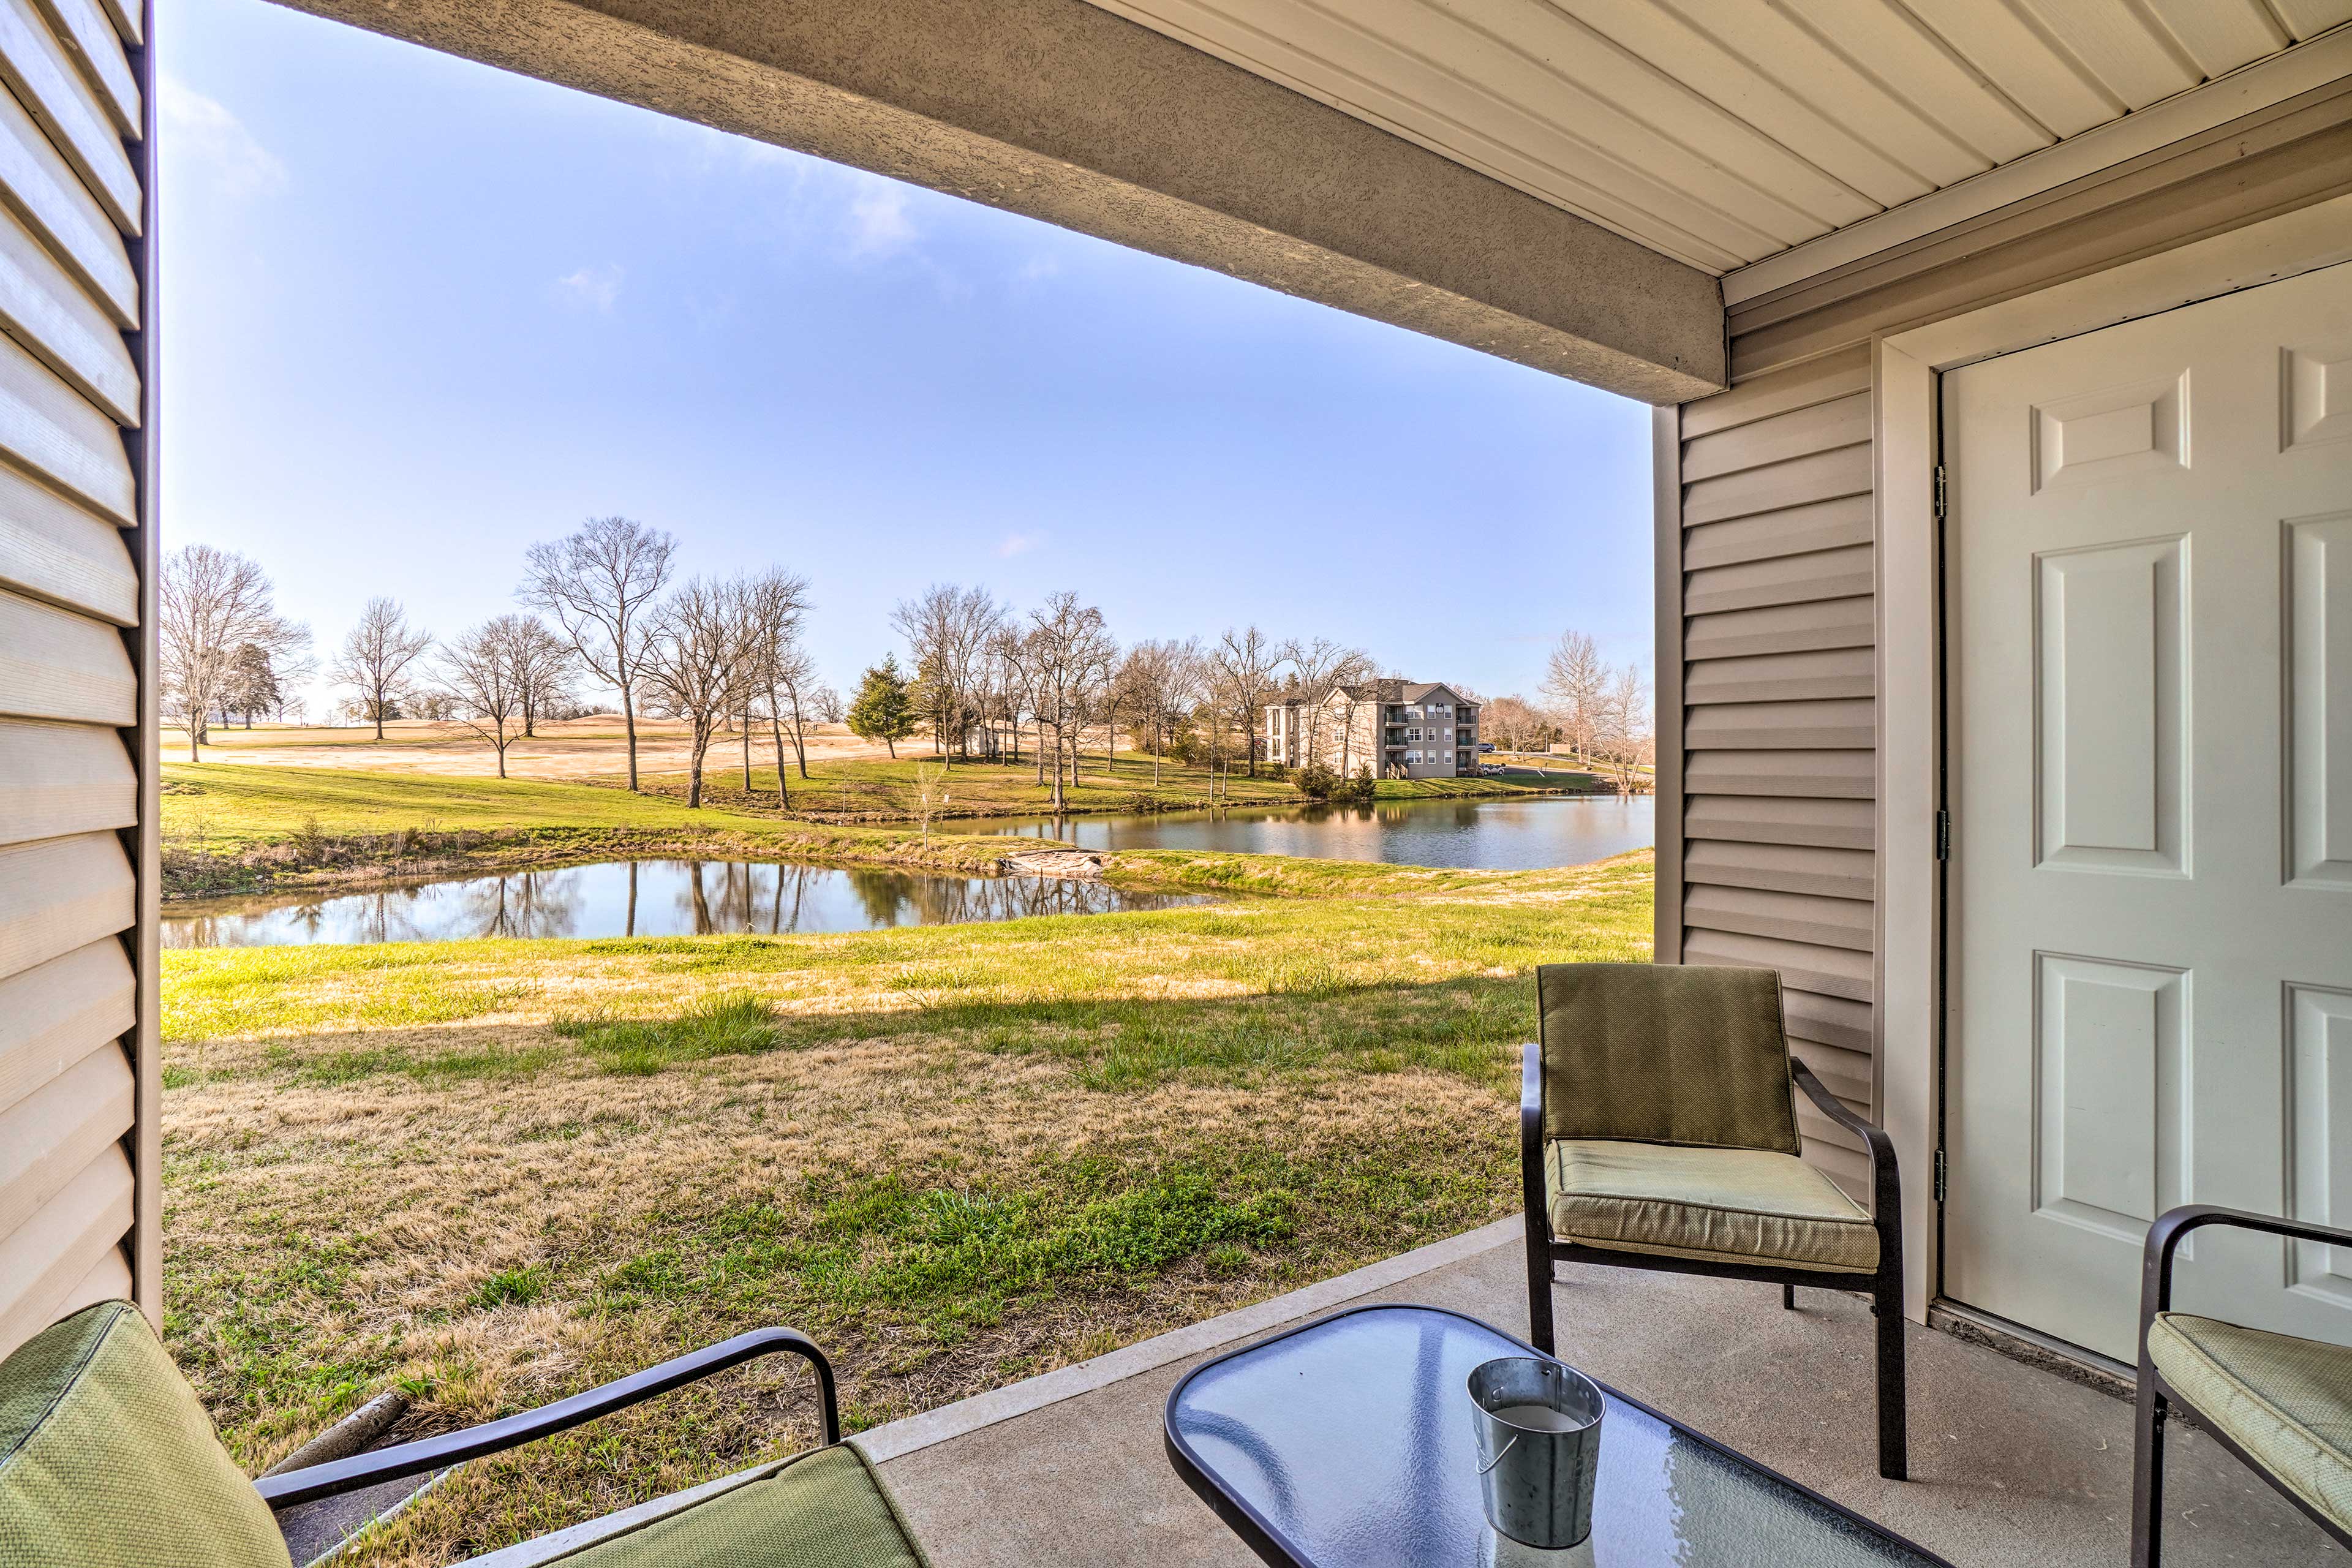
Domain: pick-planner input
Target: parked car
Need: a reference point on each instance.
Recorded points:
(1489, 768)
(1485, 745)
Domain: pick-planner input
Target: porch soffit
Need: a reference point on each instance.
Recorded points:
(1727, 135)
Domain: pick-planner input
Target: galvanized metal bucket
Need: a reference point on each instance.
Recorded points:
(1538, 1431)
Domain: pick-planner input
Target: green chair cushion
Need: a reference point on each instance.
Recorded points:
(106, 1457)
(823, 1509)
(2287, 1401)
(1726, 1205)
(1666, 1053)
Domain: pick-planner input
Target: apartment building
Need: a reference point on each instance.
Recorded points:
(1399, 728)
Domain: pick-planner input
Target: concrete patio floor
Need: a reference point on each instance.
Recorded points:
(2015, 1465)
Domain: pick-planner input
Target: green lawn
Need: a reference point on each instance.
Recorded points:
(239, 806)
(237, 829)
(495, 1173)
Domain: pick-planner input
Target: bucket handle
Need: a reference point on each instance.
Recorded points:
(1498, 1457)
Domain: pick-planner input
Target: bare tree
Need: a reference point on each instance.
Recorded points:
(1164, 679)
(1576, 678)
(948, 630)
(1319, 668)
(1513, 724)
(825, 702)
(543, 664)
(1013, 655)
(1071, 651)
(599, 583)
(778, 666)
(376, 658)
(482, 674)
(1621, 727)
(212, 602)
(931, 793)
(1242, 664)
(695, 663)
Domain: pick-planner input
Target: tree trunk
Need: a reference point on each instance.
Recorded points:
(503, 759)
(633, 901)
(893, 745)
(694, 774)
(784, 791)
(746, 753)
(379, 719)
(629, 722)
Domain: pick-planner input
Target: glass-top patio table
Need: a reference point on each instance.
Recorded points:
(1347, 1443)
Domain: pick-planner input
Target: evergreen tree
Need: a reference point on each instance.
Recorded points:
(884, 711)
(252, 685)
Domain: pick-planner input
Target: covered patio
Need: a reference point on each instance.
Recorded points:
(1920, 296)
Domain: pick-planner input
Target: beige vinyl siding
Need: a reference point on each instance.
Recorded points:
(77, 1194)
(1778, 724)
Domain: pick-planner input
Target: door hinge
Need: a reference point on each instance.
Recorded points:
(1939, 1175)
(1943, 492)
(1943, 835)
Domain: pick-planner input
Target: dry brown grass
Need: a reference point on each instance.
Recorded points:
(499, 1172)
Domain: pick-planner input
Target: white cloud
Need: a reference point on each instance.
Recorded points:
(878, 225)
(1019, 543)
(1037, 269)
(204, 131)
(591, 287)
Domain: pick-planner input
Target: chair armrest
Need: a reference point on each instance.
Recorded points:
(2173, 1225)
(1531, 1139)
(428, 1454)
(1886, 1193)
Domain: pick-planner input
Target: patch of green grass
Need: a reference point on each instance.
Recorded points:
(737, 1023)
(510, 1288)
(492, 1061)
(384, 985)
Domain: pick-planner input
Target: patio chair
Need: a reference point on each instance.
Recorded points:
(107, 1459)
(1657, 1130)
(2281, 1405)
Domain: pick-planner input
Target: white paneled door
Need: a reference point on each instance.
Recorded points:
(2148, 637)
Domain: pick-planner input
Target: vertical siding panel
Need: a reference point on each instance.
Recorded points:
(78, 1142)
(1665, 461)
(1775, 716)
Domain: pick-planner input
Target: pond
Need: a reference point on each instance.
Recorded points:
(643, 897)
(1517, 834)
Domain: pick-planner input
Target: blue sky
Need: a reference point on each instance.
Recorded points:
(418, 314)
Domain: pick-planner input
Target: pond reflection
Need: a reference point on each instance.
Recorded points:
(1515, 834)
(645, 898)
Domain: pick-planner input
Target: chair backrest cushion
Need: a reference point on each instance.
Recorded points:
(106, 1457)
(1666, 1053)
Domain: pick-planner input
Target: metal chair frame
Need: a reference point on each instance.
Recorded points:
(2157, 1396)
(1884, 1285)
(429, 1453)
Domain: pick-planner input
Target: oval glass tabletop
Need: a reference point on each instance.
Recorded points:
(1348, 1443)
